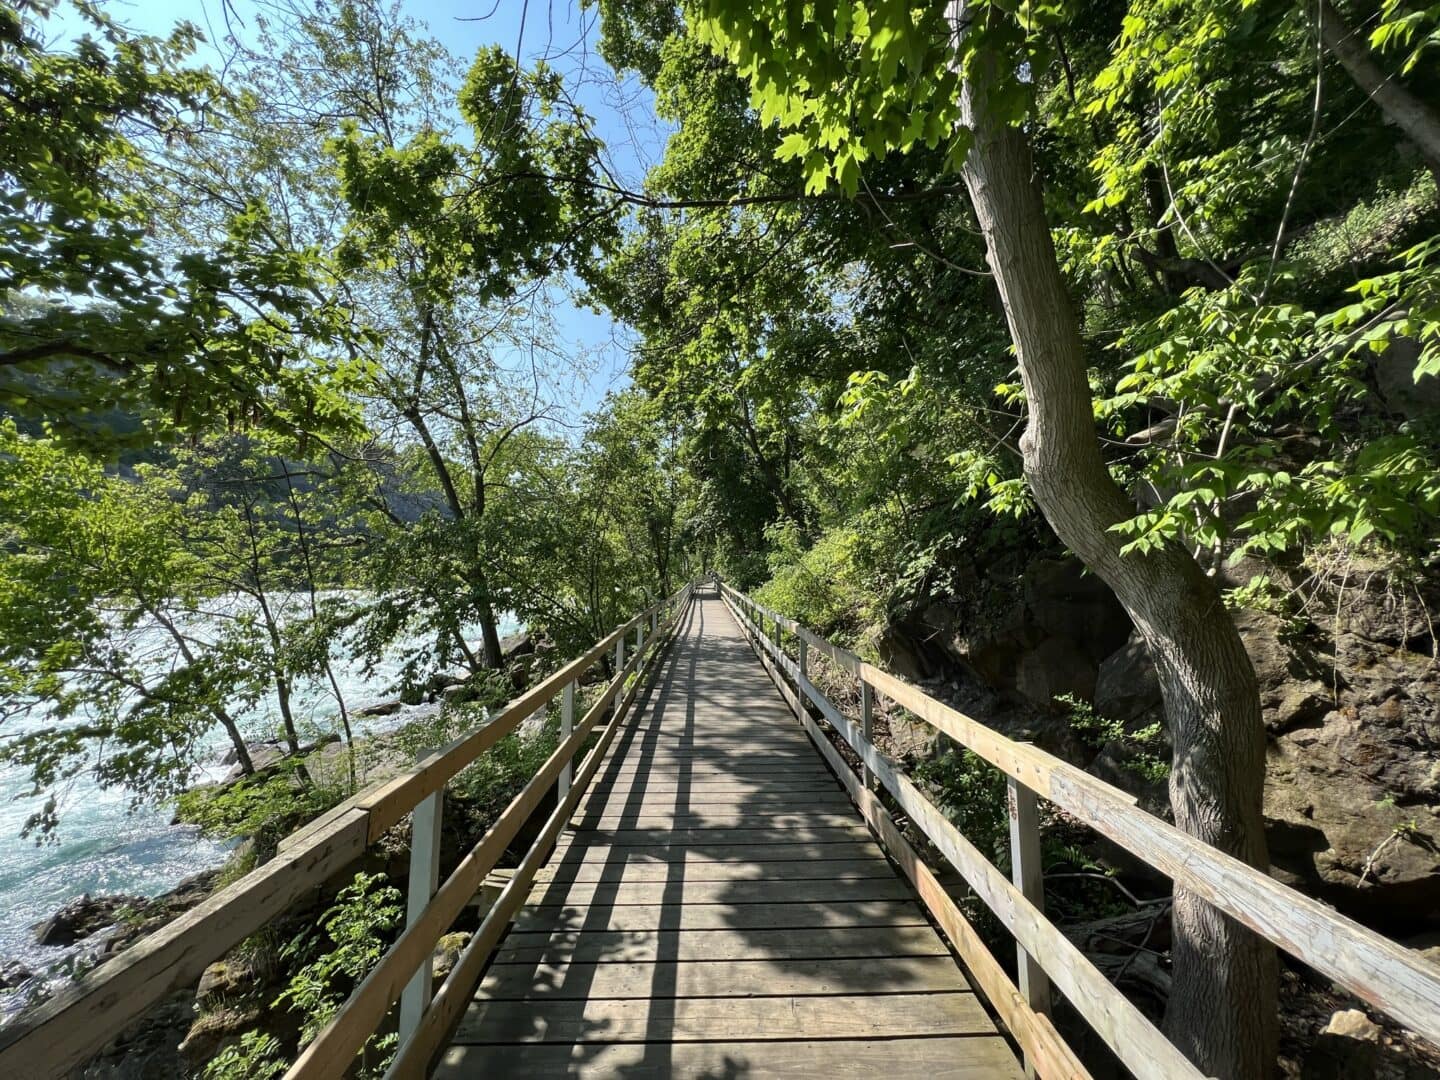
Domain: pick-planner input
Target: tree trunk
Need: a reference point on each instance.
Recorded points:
(1223, 1011)
(1410, 114)
(490, 635)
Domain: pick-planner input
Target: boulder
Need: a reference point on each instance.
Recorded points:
(1395, 378)
(1065, 601)
(83, 916)
(1058, 615)
(1353, 781)
(1058, 665)
(521, 644)
(1126, 686)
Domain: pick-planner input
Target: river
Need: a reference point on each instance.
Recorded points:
(104, 846)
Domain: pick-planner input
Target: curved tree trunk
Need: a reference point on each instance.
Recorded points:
(1419, 122)
(1222, 1012)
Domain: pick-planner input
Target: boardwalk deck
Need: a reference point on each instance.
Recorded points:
(717, 908)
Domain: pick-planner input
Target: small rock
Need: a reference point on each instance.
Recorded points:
(13, 973)
(1348, 1047)
(381, 708)
(447, 953)
(223, 979)
(1353, 1024)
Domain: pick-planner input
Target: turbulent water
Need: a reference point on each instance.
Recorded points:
(105, 847)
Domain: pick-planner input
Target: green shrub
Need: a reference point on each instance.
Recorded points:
(256, 1056)
(823, 587)
(1142, 748)
(266, 808)
(347, 943)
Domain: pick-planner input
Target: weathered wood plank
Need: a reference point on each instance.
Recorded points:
(720, 816)
(687, 1019)
(689, 915)
(968, 1058)
(774, 945)
(683, 890)
(701, 869)
(582, 849)
(642, 801)
(720, 978)
(723, 837)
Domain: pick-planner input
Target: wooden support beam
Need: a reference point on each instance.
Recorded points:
(567, 725)
(424, 877)
(1026, 873)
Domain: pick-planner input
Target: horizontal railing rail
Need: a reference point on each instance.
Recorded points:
(78, 1022)
(1393, 979)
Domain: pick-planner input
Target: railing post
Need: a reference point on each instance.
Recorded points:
(1026, 872)
(803, 666)
(424, 879)
(567, 725)
(619, 655)
(867, 709)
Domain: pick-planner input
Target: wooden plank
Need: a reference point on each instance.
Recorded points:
(688, 1019)
(775, 945)
(712, 772)
(720, 816)
(689, 915)
(966, 1058)
(595, 851)
(81, 1019)
(684, 890)
(1027, 874)
(720, 978)
(1050, 1055)
(701, 870)
(737, 763)
(643, 801)
(721, 837)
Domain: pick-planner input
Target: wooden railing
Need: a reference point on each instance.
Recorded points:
(77, 1023)
(1395, 980)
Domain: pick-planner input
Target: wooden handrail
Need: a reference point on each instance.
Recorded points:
(340, 1040)
(1393, 979)
(78, 1022)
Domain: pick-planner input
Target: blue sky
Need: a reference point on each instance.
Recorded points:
(558, 31)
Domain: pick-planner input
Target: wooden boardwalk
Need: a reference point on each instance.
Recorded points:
(718, 909)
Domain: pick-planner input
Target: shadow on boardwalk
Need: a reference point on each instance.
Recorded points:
(719, 909)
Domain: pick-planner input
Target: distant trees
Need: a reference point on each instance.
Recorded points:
(282, 382)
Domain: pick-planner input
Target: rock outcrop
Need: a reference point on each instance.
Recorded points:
(1352, 712)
